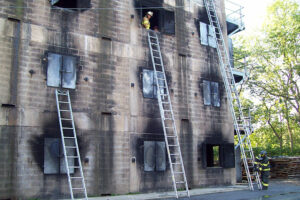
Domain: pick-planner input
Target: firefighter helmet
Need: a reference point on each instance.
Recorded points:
(150, 13)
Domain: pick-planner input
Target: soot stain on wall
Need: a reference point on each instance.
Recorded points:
(50, 130)
(153, 131)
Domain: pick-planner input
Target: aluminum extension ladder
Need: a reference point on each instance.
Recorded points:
(180, 184)
(70, 145)
(240, 122)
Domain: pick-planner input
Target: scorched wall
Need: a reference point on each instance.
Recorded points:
(113, 118)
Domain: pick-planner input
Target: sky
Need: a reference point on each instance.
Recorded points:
(255, 12)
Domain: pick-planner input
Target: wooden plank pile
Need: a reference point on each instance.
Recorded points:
(282, 168)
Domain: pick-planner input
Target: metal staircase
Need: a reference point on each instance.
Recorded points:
(70, 145)
(240, 122)
(167, 117)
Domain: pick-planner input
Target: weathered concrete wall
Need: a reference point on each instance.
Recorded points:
(111, 116)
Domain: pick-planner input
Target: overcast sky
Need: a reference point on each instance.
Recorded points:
(255, 12)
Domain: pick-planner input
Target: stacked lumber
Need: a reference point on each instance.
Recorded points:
(282, 168)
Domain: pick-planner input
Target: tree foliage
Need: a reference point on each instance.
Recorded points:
(272, 58)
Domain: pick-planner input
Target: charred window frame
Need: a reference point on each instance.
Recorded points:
(207, 35)
(54, 161)
(72, 4)
(218, 155)
(154, 156)
(149, 84)
(211, 93)
(61, 70)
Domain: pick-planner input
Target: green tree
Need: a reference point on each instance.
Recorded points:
(274, 78)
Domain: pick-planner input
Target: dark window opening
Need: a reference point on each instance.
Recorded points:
(213, 155)
(54, 161)
(61, 71)
(211, 94)
(84, 4)
(218, 155)
(149, 84)
(154, 156)
(162, 20)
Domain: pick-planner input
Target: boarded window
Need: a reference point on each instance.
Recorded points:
(215, 96)
(227, 155)
(211, 94)
(207, 35)
(154, 156)
(160, 155)
(149, 156)
(149, 83)
(206, 93)
(61, 71)
(54, 162)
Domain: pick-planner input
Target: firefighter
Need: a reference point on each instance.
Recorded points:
(263, 166)
(146, 20)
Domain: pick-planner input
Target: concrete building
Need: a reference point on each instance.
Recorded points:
(103, 51)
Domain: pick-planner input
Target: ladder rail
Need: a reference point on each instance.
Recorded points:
(74, 138)
(232, 94)
(162, 112)
(173, 118)
(77, 147)
(63, 143)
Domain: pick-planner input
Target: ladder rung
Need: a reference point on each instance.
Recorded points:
(70, 147)
(176, 163)
(74, 167)
(76, 177)
(175, 154)
(171, 136)
(154, 44)
(65, 119)
(178, 172)
(152, 37)
(173, 145)
(63, 101)
(64, 110)
(72, 156)
(69, 137)
(167, 118)
(156, 57)
(62, 94)
(179, 182)
(67, 128)
(77, 188)
(157, 64)
(169, 127)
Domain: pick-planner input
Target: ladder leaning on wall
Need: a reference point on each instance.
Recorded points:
(70, 145)
(167, 117)
(240, 122)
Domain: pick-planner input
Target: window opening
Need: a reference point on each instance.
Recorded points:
(71, 3)
(61, 71)
(213, 155)
(154, 156)
(162, 20)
